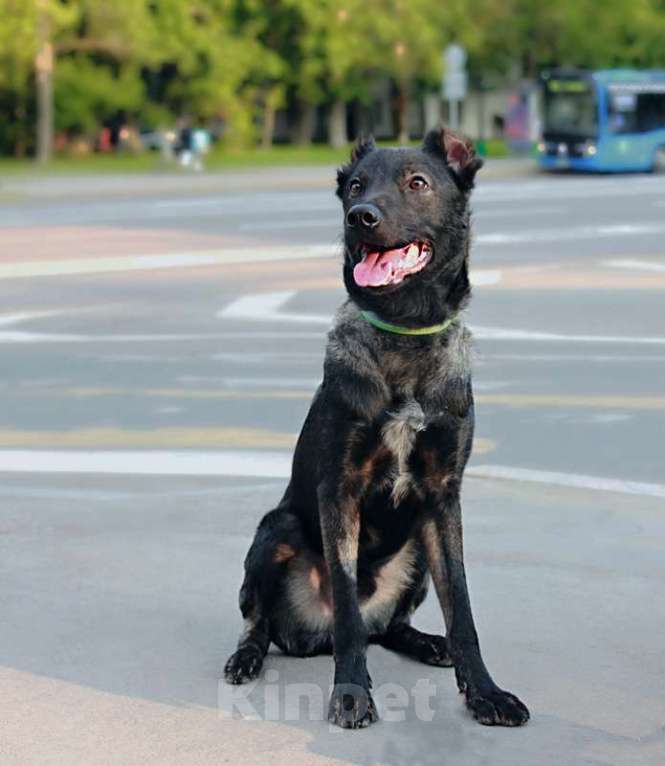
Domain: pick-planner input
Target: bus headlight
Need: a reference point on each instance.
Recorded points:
(541, 147)
(591, 150)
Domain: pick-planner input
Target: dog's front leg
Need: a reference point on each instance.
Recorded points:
(442, 536)
(351, 704)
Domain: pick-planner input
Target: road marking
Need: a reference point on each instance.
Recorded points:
(168, 438)
(78, 266)
(535, 401)
(571, 233)
(596, 358)
(484, 277)
(267, 464)
(35, 337)
(8, 320)
(635, 264)
(181, 393)
(300, 223)
(497, 333)
(257, 438)
(567, 401)
(250, 382)
(511, 212)
(264, 464)
(573, 480)
(268, 307)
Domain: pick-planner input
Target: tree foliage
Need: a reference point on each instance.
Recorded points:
(239, 60)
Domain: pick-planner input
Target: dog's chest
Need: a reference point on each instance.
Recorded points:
(399, 435)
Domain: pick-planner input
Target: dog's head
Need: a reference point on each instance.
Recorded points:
(406, 227)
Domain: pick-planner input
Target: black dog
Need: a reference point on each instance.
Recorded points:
(373, 505)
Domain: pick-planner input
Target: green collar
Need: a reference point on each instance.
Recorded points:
(375, 321)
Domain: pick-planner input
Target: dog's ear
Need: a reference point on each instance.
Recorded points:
(363, 146)
(458, 152)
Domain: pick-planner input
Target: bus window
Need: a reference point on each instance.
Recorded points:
(636, 109)
(623, 113)
(651, 111)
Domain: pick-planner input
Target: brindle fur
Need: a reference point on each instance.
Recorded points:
(373, 505)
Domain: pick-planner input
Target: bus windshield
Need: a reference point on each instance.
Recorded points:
(570, 107)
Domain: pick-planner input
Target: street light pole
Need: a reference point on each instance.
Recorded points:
(44, 76)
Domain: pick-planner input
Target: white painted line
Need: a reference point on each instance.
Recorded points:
(300, 223)
(497, 333)
(566, 189)
(517, 211)
(484, 277)
(35, 337)
(635, 264)
(577, 481)
(75, 266)
(7, 320)
(569, 234)
(275, 465)
(264, 464)
(247, 382)
(582, 358)
(267, 307)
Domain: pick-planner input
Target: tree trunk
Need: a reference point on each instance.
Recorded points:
(269, 114)
(44, 71)
(337, 135)
(20, 142)
(403, 113)
(306, 124)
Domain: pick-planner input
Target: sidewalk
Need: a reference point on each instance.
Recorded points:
(120, 607)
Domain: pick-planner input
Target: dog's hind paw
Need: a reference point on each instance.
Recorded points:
(352, 707)
(243, 665)
(433, 650)
(497, 708)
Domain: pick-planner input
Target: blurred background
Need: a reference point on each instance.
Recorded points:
(88, 76)
(169, 267)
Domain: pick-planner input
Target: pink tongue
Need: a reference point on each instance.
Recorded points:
(374, 269)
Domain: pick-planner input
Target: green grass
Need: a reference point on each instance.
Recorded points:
(219, 159)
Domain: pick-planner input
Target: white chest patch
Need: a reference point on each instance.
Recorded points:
(399, 435)
(391, 581)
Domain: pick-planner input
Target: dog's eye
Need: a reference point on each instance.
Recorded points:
(418, 183)
(355, 187)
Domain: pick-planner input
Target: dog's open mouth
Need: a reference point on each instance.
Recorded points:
(389, 267)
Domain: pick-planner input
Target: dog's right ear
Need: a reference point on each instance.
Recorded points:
(362, 147)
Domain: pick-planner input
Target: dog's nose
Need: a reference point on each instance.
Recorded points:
(364, 216)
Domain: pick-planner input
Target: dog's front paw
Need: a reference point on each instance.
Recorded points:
(351, 707)
(497, 708)
(243, 665)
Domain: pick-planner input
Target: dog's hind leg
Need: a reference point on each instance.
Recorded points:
(423, 647)
(273, 547)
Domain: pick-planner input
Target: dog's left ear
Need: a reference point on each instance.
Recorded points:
(363, 146)
(457, 151)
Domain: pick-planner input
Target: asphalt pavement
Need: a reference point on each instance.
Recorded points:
(161, 340)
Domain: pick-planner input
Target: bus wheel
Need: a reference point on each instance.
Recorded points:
(659, 160)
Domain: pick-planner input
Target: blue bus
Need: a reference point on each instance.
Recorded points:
(610, 120)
